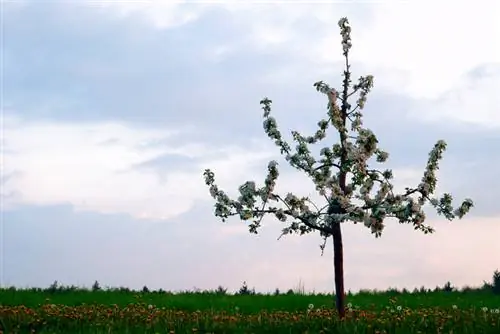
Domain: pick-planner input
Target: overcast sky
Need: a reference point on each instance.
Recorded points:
(111, 112)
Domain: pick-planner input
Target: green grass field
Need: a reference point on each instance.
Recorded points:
(72, 310)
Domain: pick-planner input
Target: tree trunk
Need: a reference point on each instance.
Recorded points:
(338, 265)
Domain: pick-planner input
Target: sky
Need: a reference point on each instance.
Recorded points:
(112, 110)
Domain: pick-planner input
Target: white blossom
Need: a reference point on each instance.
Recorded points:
(353, 191)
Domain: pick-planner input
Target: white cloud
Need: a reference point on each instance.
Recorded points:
(402, 257)
(471, 100)
(431, 44)
(418, 48)
(161, 14)
(89, 166)
(68, 162)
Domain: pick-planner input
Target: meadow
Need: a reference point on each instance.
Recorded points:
(60, 309)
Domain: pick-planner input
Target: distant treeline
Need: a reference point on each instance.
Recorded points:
(487, 287)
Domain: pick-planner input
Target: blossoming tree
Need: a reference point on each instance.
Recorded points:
(353, 191)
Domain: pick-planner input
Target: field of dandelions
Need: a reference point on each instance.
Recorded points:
(60, 309)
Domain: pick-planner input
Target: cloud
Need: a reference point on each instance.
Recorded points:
(472, 100)
(68, 163)
(109, 167)
(115, 168)
(112, 112)
(43, 244)
(410, 48)
(290, 27)
(218, 66)
(163, 15)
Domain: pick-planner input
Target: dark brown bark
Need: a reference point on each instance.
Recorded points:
(338, 262)
(338, 265)
(338, 247)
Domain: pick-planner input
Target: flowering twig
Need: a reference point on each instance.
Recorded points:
(330, 173)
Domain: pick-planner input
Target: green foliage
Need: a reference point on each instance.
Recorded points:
(221, 291)
(495, 284)
(96, 286)
(72, 295)
(448, 287)
(244, 290)
(115, 311)
(53, 288)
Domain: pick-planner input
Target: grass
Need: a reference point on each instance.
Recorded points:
(73, 310)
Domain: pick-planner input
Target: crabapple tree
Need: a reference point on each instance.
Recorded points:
(353, 191)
